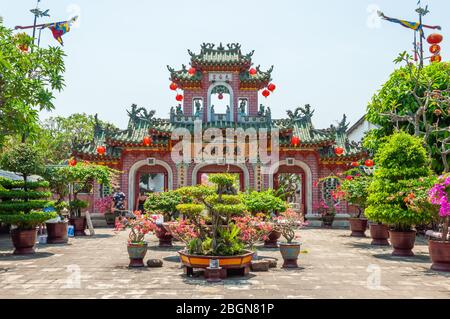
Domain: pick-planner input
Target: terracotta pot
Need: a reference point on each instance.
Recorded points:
(57, 233)
(379, 234)
(110, 219)
(272, 241)
(358, 227)
(290, 252)
(164, 236)
(23, 241)
(327, 220)
(440, 255)
(79, 225)
(137, 252)
(402, 242)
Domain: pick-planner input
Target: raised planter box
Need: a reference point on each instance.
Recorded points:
(238, 262)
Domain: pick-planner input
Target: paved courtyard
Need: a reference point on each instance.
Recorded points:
(333, 265)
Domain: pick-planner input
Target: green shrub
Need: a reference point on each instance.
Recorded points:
(402, 167)
(27, 220)
(165, 203)
(264, 202)
(11, 184)
(17, 194)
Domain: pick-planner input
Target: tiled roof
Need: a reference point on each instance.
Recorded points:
(221, 56)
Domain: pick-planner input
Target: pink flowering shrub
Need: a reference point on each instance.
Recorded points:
(140, 226)
(183, 230)
(288, 222)
(252, 229)
(103, 205)
(438, 195)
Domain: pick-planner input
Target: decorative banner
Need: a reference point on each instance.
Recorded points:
(61, 28)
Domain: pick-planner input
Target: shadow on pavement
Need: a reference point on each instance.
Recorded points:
(37, 255)
(413, 259)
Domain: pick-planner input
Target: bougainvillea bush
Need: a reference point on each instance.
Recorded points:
(103, 205)
(354, 189)
(252, 229)
(403, 167)
(439, 196)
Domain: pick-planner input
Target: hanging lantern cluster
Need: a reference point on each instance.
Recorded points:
(101, 150)
(173, 86)
(435, 49)
(269, 89)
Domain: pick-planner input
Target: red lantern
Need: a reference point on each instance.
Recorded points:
(147, 140)
(436, 58)
(266, 93)
(271, 87)
(339, 151)
(192, 71)
(435, 49)
(101, 150)
(220, 96)
(355, 164)
(179, 97)
(295, 140)
(72, 162)
(369, 163)
(348, 177)
(435, 38)
(173, 86)
(252, 71)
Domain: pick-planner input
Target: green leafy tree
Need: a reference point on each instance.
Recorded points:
(415, 100)
(21, 202)
(265, 202)
(355, 191)
(27, 82)
(165, 203)
(58, 136)
(402, 167)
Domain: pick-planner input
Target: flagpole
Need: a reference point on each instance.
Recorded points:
(34, 25)
(421, 41)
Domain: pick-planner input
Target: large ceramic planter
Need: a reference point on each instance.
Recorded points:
(379, 234)
(57, 233)
(402, 242)
(327, 220)
(79, 225)
(358, 227)
(290, 252)
(137, 252)
(164, 236)
(440, 255)
(23, 241)
(110, 219)
(239, 262)
(272, 240)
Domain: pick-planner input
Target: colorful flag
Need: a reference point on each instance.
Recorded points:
(61, 28)
(407, 24)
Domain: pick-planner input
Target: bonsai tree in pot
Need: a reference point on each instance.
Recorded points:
(353, 189)
(139, 226)
(401, 163)
(288, 222)
(21, 202)
(212, 211)
(267, 205)
(166, 204)
(440, 248)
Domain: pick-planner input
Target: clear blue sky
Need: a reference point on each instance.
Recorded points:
(327, 53)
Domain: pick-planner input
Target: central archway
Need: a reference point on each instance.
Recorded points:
(214, 168)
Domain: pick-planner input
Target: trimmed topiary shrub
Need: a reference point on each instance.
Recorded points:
(402, 167)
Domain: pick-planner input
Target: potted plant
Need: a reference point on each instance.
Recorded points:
(103, 206)
(252, 230)
(139, 226)
(22, 202)
(212, 211)
(288, 222)
(440, 248)
(166, 204)
(329, 202)
(80, 178)
(402, 166)
(57, 228)
(268, 205)
(353, 189)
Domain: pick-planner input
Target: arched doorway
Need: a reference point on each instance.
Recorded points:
(201, 170)
(220, 88)
(302, 176)
(292, 180)
(143, 177)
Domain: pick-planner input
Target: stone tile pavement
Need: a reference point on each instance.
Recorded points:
(333, 266)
